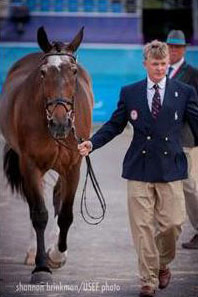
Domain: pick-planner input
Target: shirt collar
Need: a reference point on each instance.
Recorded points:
(161, 84)
(178, 64)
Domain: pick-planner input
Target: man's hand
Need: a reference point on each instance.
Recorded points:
(85, 148)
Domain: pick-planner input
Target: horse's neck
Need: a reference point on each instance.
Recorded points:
(83, 106)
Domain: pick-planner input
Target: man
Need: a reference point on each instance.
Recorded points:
(155, 164)
(182, 71)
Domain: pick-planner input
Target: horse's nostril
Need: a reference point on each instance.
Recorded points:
(61, 128)
(52, 123)
(56, 126)
(58, 129)
(68, 122)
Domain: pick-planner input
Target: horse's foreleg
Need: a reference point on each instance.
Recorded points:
(31, 251)
(68, 186)
(65, 219)
(51, 232)
(39, 217)
(32, 188)
(58, 254)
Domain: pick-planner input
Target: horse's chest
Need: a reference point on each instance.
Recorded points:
(66, 160)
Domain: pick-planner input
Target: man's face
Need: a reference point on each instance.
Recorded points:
(176, 52)
(156, 68)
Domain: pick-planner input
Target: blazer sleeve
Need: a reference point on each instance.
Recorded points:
(192, 113)
(114, 126)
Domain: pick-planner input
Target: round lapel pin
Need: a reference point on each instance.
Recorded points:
(134, 115)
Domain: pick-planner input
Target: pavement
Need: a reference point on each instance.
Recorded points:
(101, 259)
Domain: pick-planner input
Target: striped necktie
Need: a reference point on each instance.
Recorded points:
(156, 102)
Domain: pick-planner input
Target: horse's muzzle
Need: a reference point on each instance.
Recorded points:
(59, 130)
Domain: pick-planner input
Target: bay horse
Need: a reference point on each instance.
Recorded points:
(46, 101)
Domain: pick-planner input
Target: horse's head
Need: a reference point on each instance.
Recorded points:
(59, 82)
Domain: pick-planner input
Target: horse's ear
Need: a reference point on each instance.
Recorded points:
(43, 41)
(74, 44)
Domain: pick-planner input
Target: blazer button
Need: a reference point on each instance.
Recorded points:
(166, 138)
(148, 137)
(143, 152)
(165, 153)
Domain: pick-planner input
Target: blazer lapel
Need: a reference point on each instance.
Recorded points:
(168, 101)
(181, 71)
(148, 115)
(166, 97)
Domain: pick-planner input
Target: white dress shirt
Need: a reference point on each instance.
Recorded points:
(176, 67)
(151, 90)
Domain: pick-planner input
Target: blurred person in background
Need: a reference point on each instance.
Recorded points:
(20, 16)
(4, 12)
(180, 70)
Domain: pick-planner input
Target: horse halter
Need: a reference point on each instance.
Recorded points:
(60, 101)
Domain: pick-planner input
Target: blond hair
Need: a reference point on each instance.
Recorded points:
(156, 50)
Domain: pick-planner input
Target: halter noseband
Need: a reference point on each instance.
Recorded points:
(60, 101)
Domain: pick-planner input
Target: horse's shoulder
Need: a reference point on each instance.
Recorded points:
(26, 62)
(21, 69)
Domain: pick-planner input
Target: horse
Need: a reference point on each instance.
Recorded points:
(46, 107)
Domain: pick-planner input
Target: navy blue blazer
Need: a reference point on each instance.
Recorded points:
(188, 75)
(155, 153)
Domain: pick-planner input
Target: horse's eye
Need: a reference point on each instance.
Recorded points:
(43, 73)
(74, 70)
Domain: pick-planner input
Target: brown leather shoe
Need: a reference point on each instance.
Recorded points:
(164, 278)
(147, 291)
(192, 244)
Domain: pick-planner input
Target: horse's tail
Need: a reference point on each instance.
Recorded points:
(12, 170)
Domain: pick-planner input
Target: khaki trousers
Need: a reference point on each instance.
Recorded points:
(191, 186)
(156, 213)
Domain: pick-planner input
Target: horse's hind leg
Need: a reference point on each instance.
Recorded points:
(67, 188)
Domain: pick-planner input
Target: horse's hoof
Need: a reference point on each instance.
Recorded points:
(41, 277)
(30, 258)
(56, 259)
(41, 269)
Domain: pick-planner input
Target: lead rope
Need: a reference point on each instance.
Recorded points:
(88, 218)
(83, 203)
(90, 173)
